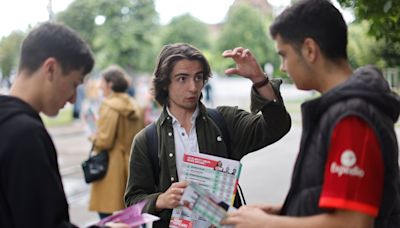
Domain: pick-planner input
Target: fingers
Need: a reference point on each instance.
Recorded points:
(237, 52)
(180, 184)
(171, 198)
(231, 219)
(231, 71)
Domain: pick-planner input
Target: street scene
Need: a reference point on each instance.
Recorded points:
(265, 174)
(93, 73)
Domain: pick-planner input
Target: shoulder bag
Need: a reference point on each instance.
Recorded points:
(95, 167)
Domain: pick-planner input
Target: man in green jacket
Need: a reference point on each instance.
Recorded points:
(184, 124)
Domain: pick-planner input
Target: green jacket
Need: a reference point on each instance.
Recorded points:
(248, 131)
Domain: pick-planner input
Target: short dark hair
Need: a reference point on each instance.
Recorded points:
(170, 54)
(316, 19)
(117, 76)
(58, 41)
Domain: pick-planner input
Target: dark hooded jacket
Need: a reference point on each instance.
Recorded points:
(31, 191)
(365, 95)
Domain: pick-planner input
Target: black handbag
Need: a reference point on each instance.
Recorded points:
(95, 167)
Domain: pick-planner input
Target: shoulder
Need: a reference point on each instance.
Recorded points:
(23, 135)
(140, 139)
(22, 125)
(228, 111)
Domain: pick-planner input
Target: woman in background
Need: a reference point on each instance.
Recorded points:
(120, 118)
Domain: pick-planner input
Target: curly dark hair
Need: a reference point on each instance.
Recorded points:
(170, 54)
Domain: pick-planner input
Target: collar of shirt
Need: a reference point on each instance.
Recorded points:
(184, 142)
(176, 121)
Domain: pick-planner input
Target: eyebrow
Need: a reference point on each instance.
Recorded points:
(186, 74)
(181, 74)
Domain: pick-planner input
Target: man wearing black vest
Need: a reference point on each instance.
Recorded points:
(186, 126)
(347, 170)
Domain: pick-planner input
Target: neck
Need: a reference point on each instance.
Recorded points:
(24, 88)
(184, 116)
(333, 74)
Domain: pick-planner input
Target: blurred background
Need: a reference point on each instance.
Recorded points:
(131, 33)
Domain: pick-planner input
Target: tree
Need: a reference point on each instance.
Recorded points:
(9, 52)
(384, 19)
(186, 29)
(384, 16)
(358, 41)
(247, 27)
(119, 31)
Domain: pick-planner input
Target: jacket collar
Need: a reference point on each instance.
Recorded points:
(164, 116)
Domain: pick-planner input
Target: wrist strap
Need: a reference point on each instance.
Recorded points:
(261, 83)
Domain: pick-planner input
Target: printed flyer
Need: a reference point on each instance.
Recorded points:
(215, 175)
(131, 216)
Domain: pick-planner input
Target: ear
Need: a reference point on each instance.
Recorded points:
(49, 68)
(310, 50)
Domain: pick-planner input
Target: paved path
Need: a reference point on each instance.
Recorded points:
(73, 147)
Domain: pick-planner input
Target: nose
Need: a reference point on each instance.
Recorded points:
(192, 85)
(282, 68)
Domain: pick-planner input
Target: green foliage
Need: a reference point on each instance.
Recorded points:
(390, 52)
(186, 29)
(246, 27)
(384, 19)
(384, 16)
(362, 48)
(9, 52)
(126, 35)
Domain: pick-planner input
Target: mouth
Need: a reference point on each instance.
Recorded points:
(191, 99)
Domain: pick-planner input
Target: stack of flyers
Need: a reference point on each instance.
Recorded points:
(213, 174)
(204, 205)
(131, 216)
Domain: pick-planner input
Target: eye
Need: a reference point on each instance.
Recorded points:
(199, 77)
(181, 79)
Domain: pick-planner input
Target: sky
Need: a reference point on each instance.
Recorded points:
(19, 14)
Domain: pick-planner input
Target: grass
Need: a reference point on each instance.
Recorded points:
(64, 117)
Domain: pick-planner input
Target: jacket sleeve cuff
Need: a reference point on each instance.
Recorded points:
(258, 102)
(150, 206)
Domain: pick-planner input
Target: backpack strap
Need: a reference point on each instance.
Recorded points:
(152, 147)
(220, 121)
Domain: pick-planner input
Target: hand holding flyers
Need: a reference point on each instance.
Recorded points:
(130, 217)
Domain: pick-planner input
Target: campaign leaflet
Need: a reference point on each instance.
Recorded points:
(196, 200)
(131, 216)
(216, 175)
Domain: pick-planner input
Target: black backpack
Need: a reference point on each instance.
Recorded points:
(152, 145)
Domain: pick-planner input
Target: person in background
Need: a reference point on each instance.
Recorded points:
(80, 97)
(209, 98)
(347, 170)
(184, 126)
(120, 118)
(53, 62)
